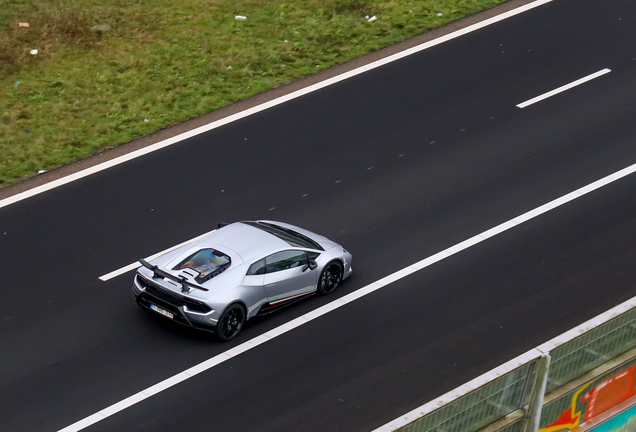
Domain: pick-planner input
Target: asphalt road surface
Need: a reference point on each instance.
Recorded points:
(396, 164)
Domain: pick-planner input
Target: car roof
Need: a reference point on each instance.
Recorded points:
(248, 242)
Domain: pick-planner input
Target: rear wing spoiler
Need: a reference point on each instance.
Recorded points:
(181, 280)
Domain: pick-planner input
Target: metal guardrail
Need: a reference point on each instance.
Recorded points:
(504, 390)
(480, 407)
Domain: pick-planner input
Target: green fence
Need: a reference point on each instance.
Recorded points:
(478, 408)
(592, 349)
(471, 408)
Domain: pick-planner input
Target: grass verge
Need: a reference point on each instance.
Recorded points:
(109, 71)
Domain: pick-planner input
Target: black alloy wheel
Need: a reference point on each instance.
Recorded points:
(330, 277)
(231, 322)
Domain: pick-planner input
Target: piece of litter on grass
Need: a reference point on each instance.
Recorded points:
(41, 171)
(17, 83)
(440, 14)
(23, 25)
(367, 16)
(229, 67)
(27, 131)
(285, 40)
(240, 18)
(33, 52)
(373, 18)
(146, 120)
(101, 27)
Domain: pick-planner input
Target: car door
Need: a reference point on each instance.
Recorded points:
(287, 276)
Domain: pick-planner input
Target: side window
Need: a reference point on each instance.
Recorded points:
(258, 268)
(285, 260)
(312, 255)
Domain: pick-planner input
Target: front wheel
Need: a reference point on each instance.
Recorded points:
(231, 322)
(330, 278)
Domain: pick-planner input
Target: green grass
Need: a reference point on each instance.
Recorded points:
(155, 63)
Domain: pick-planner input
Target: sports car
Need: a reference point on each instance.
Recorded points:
(238, 271)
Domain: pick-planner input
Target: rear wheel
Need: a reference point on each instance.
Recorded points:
(330, 278)
(231, 322)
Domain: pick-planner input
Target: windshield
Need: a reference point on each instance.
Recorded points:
(292, 237)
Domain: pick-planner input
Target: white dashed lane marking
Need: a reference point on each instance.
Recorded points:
(564, 88)
(387, 280)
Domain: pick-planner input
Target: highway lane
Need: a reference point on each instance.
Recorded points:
(351, 374)
(362, 151)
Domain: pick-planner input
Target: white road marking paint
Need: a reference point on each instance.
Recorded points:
(312, 88)
(136, 264)
(216, 360)
(564, 88)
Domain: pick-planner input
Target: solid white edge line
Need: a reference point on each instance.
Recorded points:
(387, 280)
(564, 88)
(266, 105)
(136, 264)
(541, 349)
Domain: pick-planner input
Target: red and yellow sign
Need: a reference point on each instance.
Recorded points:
(605, 395)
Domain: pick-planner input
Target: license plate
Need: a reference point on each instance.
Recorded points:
(161, 311)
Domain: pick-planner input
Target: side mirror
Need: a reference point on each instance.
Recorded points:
(311, 265)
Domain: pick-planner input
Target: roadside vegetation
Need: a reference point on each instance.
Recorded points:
(108, 71)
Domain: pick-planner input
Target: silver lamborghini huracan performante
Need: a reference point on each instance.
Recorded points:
(238, 271)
